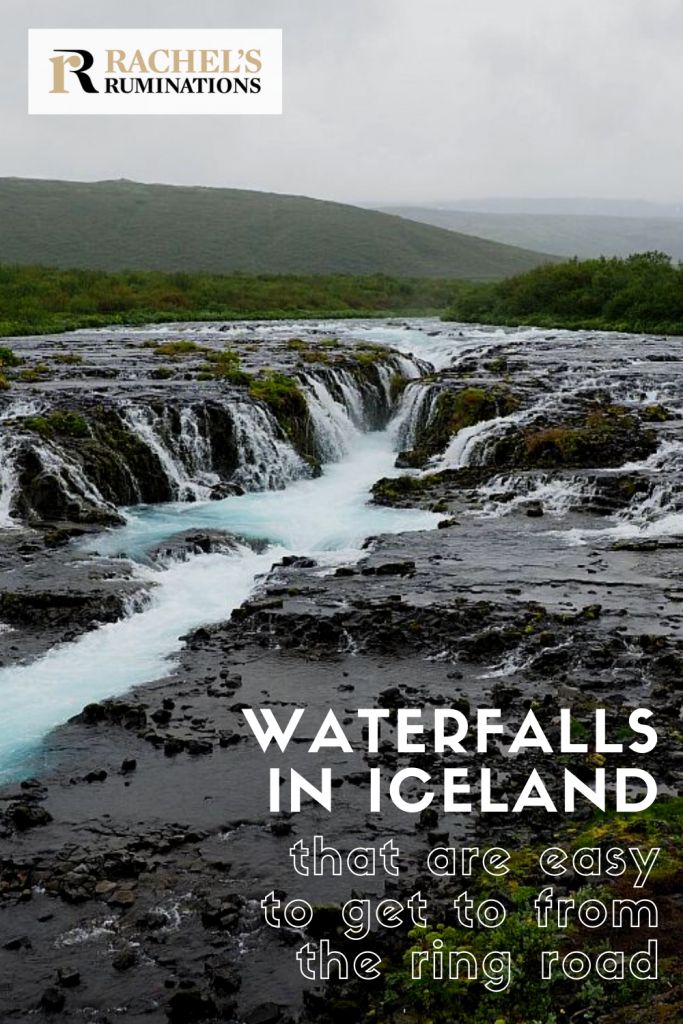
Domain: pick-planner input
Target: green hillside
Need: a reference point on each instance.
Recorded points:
(122, 225)
(584, 235)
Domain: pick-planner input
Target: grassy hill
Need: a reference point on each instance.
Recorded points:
(583, 235)
(122, 225)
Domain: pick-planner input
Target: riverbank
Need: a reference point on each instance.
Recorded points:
(544, 575)
(641, 293)
(48, 300)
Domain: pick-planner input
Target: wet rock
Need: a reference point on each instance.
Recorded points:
(52, 1000)
(265, 1013)
(190, 1005)
(162, 716)
(429, 819)
(225, 490)
(60, 608)
(17, 943)
(181, 546)
(391, 698)
(153, 920)
(117, 712)
(124, 960)
(25, 817)
(174, 746)
(395, 568)
(121, 898)
(636, 545)
(199, 747)
(68, 977)
(224, 977)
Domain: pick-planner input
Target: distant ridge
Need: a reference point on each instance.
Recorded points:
(586, 235)
(121, 225)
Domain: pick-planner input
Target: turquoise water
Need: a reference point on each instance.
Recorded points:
(328, 518)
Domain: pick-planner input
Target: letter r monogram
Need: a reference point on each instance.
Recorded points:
(81, 57)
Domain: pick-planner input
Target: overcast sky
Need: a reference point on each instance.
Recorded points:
(391, 101)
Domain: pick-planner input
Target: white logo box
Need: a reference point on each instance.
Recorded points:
(48, 44)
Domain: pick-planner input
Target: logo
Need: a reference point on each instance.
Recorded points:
(79, 67)
(155, 71)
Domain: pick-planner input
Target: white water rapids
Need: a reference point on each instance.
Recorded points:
(327, 518)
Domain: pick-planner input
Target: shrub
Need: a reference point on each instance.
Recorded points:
(8, 357)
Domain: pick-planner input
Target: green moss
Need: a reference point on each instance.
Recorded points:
(162, 373)
(456, 410)
(68, 358)
(397, 386)
(607, 436)
(224, 365)
(369, 355)
(528, 997)
(657, 414)
(70, 424)
(392, 490)
(38, 424)
(285, 400)
(313, 355)
(177, 348)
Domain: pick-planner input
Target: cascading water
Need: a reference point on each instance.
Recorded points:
(504, 494)
(415, 409)
(334, 429)
(468, 447)
(266, 461)
(8, 483)
(155, 432)
(327, 518)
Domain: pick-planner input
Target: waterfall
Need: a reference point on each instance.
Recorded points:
(266, 461)
(385, 374)
(409, 369)
(411, 414)
(8, 483)
(181, 456)
(73, 479)
(469, 447)
(506, 493)
(20, 408)
(334, 428)
(353, 399)
(194, 446)
(342, 404)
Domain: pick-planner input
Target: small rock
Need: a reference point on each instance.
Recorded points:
(52, 1000)
(265, 1013)
(25, 817)
(125, 959)
(190, 1005)
(122, 898)
(68, 977)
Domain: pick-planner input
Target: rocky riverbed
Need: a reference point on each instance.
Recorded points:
(517, 547)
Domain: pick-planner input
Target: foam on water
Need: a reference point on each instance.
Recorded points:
(328, 518)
